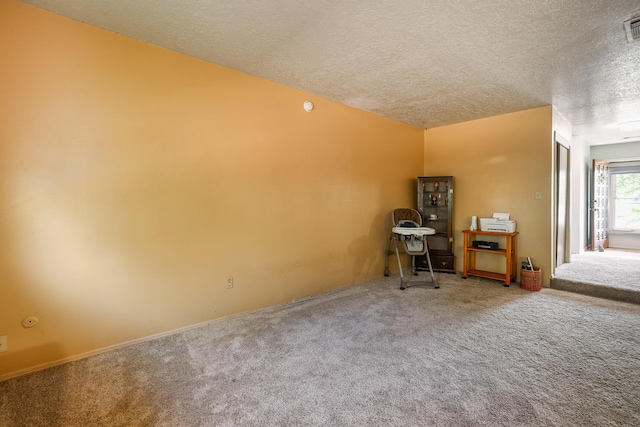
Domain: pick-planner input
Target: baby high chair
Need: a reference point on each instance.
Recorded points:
(407, 228)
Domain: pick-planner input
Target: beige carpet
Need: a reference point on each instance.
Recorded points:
(472, 353)
(611, 274)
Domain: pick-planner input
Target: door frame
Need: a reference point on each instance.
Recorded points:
(561, 189)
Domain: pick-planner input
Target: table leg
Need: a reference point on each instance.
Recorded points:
(465, 258)
(507, 270)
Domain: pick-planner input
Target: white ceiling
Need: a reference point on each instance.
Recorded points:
(424, 62)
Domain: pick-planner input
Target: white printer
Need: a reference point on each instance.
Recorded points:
(499, 222)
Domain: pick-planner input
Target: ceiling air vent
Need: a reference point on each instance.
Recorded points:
(632, 28)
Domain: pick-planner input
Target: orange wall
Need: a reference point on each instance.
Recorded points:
(498, 164)
(135, 180)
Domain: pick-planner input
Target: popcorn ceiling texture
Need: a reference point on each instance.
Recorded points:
(426, 63)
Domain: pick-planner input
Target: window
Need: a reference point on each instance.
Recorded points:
(625, 198)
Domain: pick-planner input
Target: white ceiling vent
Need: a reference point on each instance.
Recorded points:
(632, 28)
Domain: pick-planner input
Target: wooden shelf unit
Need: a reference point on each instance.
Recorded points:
(508, 252)
(435, 204)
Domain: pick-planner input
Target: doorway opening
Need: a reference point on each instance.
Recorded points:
(615, 205)
(611, 267)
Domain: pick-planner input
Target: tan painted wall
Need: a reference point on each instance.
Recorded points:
(135, 180)
(498, 164)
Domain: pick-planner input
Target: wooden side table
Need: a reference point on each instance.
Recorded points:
(508, 252)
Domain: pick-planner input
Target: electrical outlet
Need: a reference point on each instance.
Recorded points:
(537, 195)
(229, 282)
(4, 343)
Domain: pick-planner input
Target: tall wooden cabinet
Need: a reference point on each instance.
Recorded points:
(435, 204)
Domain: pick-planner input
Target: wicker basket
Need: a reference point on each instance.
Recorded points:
(531, 280)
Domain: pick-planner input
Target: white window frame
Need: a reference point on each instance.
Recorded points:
(612, 206)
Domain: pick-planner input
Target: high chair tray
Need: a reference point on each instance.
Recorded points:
(417, 231)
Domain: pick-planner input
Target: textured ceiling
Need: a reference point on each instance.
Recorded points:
(424, 62)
